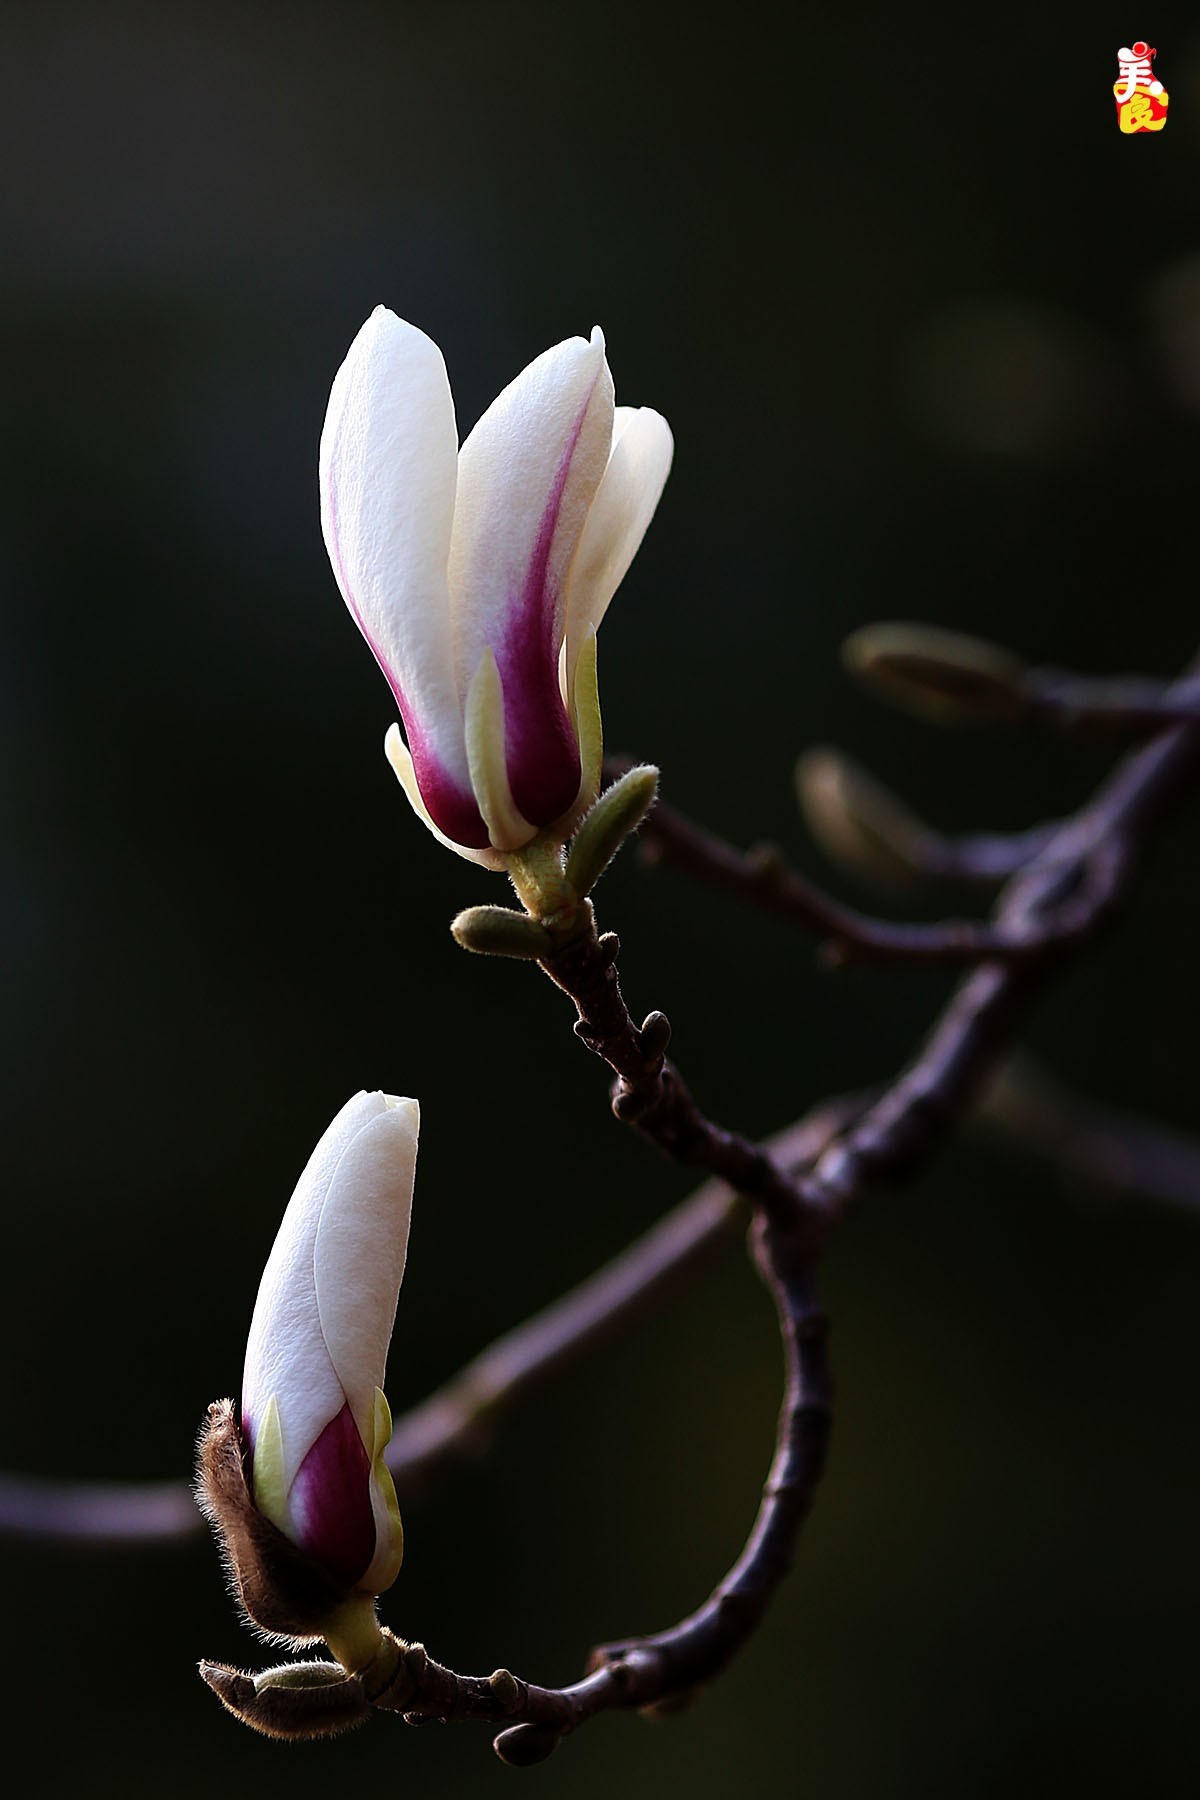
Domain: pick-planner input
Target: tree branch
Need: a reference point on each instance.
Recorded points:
(1127, 705)
(985, 1010)
(764, 879)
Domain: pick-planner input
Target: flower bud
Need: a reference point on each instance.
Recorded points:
(859, 823)
(296, 1700)
(297, 1486)
(479, 576)
(942, 675)
(500, 931)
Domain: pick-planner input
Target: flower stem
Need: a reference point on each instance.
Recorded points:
(536, 872)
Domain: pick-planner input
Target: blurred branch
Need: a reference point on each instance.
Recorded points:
(763, 878)
(1111, 1150)
(985, 1010)
(89, 1513)
(861, 824)
(953, 678)
(1130, 705)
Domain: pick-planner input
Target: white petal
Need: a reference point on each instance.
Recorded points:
(288, 1352)
(526, 478)
(388, 466)
(624, 505)
(361, 1243)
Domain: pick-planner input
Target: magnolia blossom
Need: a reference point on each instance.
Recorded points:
(313, 1413)
(479, 576)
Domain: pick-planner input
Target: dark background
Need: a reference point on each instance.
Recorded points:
(927, 328)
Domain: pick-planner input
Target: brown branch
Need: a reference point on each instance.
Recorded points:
(763, 878)
(958, 679)
(1126, 705)
(650, 1670)
(649, 1092)
(985, 1010)
(985, 856)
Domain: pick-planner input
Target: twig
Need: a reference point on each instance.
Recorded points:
(649, 1670)
(1129, 705)
(763, 878)
(985, 856)
(986, 1008)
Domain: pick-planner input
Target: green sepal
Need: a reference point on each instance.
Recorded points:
(585, 716)
(501, 931)
(618, 811)
(270, 1489)
(381, 1431)
(484, 725)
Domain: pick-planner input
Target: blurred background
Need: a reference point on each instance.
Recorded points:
(927, 328)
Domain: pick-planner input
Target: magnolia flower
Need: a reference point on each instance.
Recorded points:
(479, 576)
(314, 1419)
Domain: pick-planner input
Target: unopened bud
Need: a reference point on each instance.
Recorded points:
(501, 931)
(280, 1588)
(942, 675)
(859, 823)
(521, 1746)
(296, 1700)
(618, 811)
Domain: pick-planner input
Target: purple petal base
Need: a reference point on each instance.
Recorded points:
(330, 1501)
(540, 752)
(451, 807)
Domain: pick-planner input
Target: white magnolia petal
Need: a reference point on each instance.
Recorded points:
(526, 478)
(622, 509)
(361, 1244)
(288, 1354)
(388, 467)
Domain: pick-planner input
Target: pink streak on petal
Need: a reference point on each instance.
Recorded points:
(451, 806)
(541, 754)
(330, 1500)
